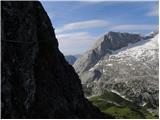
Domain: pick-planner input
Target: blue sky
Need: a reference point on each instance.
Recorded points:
(79, 24)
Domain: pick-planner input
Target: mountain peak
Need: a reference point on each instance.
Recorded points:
(105, 45)
(131, 70)
(116, 40)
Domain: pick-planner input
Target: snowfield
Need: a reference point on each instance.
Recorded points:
(131, 72)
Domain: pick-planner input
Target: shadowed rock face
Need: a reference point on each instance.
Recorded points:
(37, 82)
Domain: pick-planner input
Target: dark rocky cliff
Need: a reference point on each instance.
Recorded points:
(37, 82)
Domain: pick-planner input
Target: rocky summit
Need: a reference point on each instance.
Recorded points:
(37, 82)
(104, 45)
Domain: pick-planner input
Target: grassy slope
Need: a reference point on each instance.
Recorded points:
(124, 109)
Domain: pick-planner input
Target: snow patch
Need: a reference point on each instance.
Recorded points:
(91, 69)
(121, 95)
(109, 65)
(143, 104)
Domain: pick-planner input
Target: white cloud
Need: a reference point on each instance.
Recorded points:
(154, 11)
(75, 43)
(82, 25)
(134, 27)
(79, 42)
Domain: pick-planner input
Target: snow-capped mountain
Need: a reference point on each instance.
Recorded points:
(104, 45)
(126, 64)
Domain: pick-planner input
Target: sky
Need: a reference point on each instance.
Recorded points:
(78, 24)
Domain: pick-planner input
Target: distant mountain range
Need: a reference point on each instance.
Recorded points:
(124, 64)
(72, 58)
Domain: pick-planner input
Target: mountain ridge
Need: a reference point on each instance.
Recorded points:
(132, 71)
(104, 45)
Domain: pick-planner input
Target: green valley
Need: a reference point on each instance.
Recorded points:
(118, 107)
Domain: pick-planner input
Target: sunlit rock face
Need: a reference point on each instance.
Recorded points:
(124, 63)
(104, 45)
(37, 82)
